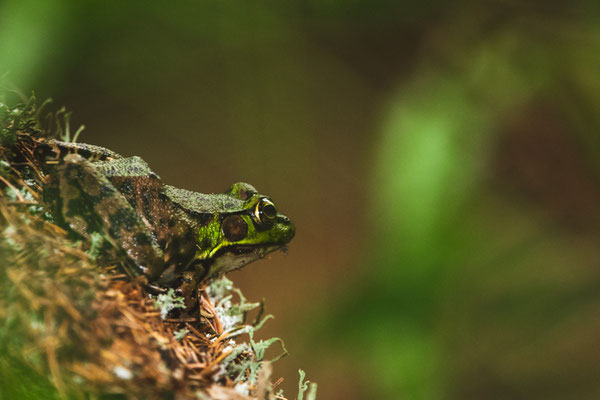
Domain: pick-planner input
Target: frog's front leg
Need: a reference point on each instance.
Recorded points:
(88, 197)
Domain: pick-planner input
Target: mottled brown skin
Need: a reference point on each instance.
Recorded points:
(173, 233)
(89, 202)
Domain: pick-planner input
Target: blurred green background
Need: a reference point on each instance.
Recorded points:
(441, 161)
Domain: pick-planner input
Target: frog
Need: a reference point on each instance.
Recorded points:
(167, 233)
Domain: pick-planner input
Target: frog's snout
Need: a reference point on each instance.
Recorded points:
(287, 227)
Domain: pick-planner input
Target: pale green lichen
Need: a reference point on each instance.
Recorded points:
(180, 334)
(168, 302)
(304, 386)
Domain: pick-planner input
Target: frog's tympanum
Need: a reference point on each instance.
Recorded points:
(166, 232)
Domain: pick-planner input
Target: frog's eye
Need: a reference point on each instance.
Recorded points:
(234, 228)
(265, 212)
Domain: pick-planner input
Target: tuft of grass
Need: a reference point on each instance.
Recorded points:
(62, 126)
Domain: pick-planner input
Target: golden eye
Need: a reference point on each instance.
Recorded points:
(265, 211)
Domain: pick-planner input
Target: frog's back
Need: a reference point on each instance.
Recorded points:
(88, 151)
(201, 203)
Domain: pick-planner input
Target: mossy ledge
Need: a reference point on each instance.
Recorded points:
(72, 326)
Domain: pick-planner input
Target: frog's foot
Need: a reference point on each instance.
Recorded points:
(89, 198)
(154, 289)
(168, 276)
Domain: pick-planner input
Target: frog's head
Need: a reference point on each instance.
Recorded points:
(245, 227)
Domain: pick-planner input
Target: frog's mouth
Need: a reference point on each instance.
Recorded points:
(235, 257)
(245, 249)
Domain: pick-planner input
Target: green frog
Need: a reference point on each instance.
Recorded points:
(167, 233)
